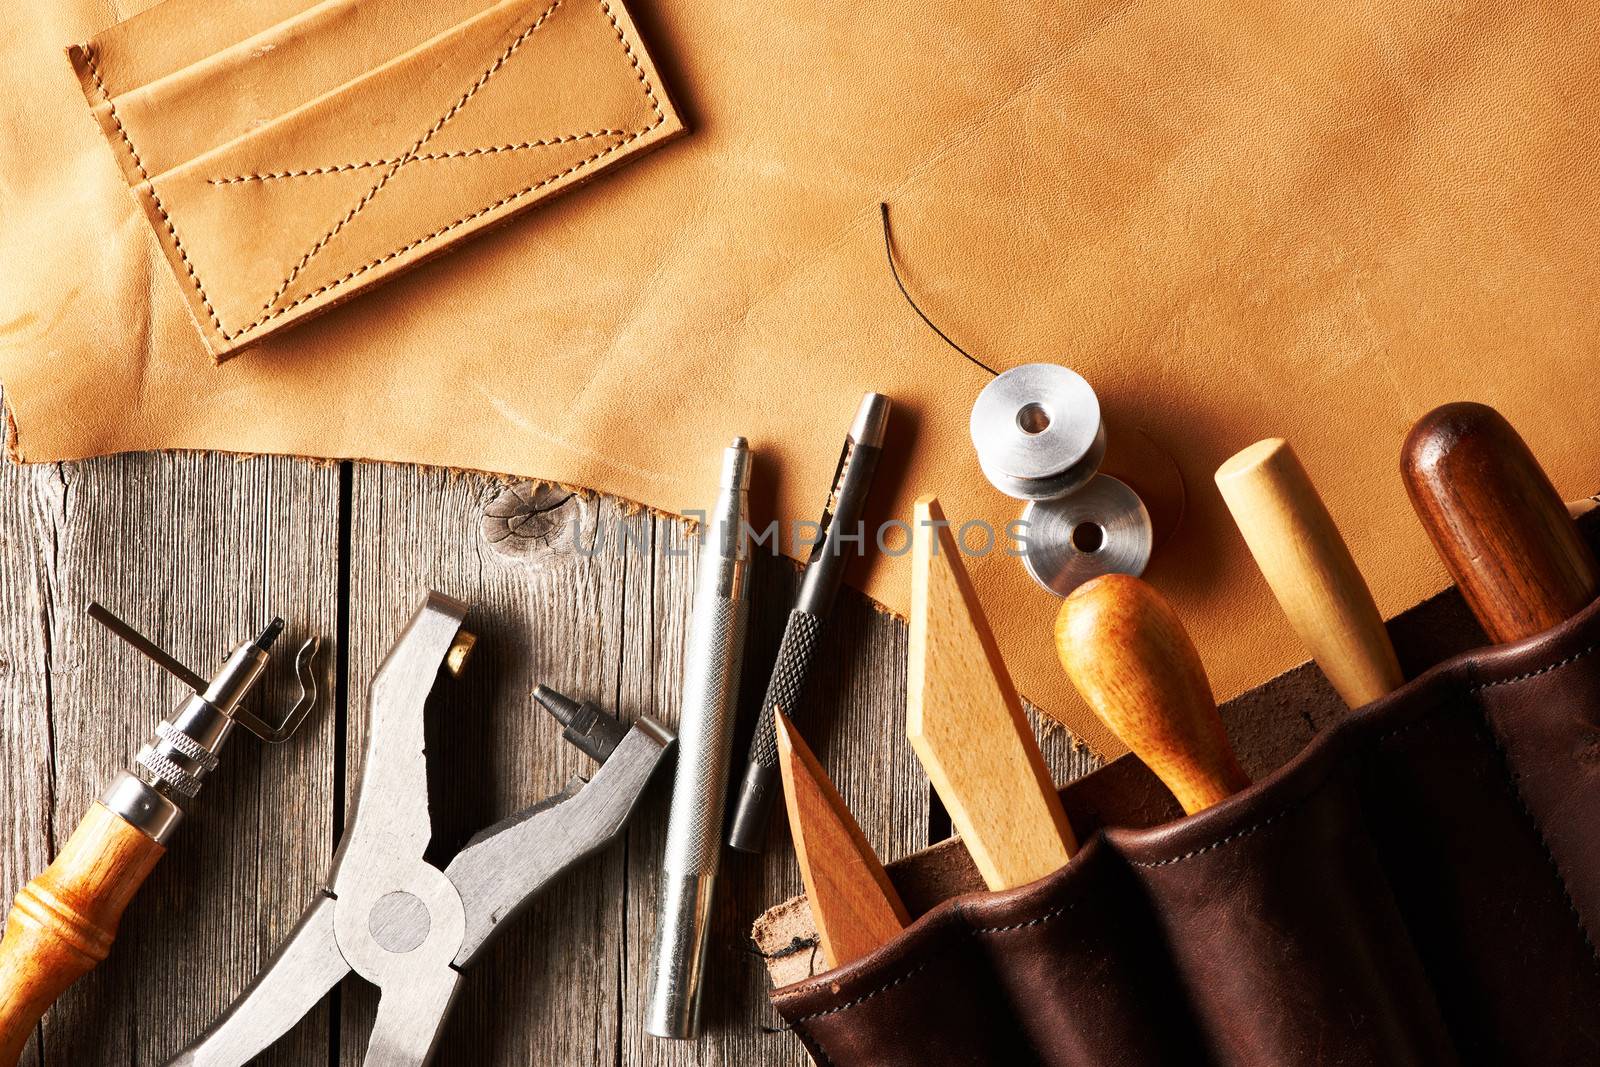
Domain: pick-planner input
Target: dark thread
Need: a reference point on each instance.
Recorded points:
(888, 250)
(796, 945)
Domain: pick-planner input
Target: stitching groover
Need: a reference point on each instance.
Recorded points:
(618, 139)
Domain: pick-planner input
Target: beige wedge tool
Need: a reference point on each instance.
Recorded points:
(1305, 561)
(1127, 652)
(965, 721)
(853, 903)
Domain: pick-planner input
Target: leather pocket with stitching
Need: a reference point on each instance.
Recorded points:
(288, 196)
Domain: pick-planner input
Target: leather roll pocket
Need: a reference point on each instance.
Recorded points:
(288, 155)
(1416, 888)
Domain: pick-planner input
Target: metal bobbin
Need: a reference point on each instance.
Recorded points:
(1102, 528)
(1038, 432)
(1040, 438)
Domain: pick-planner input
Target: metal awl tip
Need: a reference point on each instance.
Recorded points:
(871, 421)
(735, 465)
(269, 635)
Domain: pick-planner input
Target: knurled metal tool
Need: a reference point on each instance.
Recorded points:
(65, 919)
(393, 918)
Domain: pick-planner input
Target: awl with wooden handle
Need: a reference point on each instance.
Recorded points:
(853, 903)
(966, 723)
(1311, 572)
(1128, 654)
(64, 921)
(1502, 530)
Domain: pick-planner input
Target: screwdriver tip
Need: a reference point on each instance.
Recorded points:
(269, 635)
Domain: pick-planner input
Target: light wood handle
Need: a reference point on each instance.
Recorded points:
(1305, 561)
(64, 921)
(966, 724)
(1127, 652)
(1496, 521)
(853, 903)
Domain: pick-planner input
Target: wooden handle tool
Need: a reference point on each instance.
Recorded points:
(1502, 530)
(853, 903)
(1305, 561)
(64, 921)
(1128, 654)
(966, 723)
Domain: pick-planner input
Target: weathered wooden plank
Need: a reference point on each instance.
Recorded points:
(545, 992)
(199, 551)
(27, 765)
(568, 983)
(169, 540)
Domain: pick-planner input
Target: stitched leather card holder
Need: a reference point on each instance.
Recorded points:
(289, 153)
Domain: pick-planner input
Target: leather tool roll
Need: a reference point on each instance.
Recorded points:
(1421, 885)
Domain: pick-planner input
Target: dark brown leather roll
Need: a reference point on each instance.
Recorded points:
(1421, 885)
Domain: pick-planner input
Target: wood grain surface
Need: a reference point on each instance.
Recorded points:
(855, 906)
(1129, 655)
(1309, 568)
(65, 919)
(966, 723)
(1504, 534)
(201, 550)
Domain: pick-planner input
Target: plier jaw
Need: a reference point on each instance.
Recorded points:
(390, 916)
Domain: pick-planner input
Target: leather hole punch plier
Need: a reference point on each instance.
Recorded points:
(391, 917)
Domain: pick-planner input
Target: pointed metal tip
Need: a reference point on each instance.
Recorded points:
(563, 707)
(269, 635)
(871, 421)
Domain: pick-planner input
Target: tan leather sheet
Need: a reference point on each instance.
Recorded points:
(1235, 219)
(292, 163)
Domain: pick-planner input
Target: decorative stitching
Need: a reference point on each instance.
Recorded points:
(443, 120)
(1048, 916)
(199, 287)
(1236, 835)
(424, 157)
(661, 117)
(864, 997)
(111, 107)
(1481, 686)
(1511, 785)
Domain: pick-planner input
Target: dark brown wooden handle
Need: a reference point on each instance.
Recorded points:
(64, 921)
(1128, 654)
(1502, 530)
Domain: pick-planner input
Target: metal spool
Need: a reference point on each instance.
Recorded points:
(1038, 432)
(1102, 528)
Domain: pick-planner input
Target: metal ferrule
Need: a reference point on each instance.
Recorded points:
(705, 734)
(685, 918)
(240, 672)
(142, 806)
(203, 723)
(185, 749)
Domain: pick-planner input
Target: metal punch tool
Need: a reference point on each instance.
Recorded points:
(396, 920)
